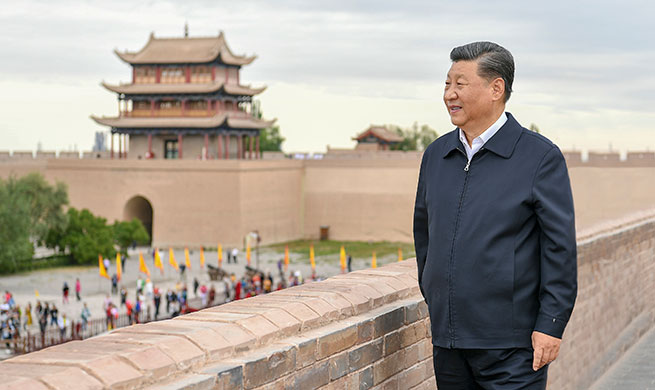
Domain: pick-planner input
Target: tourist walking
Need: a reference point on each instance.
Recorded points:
(85, 315)
(78, 289)
(64, 291)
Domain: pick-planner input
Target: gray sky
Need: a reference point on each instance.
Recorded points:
(584, 69)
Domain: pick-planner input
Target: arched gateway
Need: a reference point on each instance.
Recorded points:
(141, 208)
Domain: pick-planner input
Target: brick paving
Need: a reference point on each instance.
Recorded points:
(635, 370)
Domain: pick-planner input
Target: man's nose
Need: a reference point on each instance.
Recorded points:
(449, 93)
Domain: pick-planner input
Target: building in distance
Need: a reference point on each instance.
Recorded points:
(185, 100)
(377, 138)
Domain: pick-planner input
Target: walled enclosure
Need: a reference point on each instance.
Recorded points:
(201, 202)
(364, 330)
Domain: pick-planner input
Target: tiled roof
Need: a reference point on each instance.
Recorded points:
(184, 50)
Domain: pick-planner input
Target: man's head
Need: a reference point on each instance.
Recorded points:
(478, 84)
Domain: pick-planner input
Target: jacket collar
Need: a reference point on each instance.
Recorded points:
(502, 143)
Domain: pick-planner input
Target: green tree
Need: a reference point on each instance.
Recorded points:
(270, 139)
(534, 128)
(45, 203)
(128, 232)
(86, 236)
(414, 138)
(15, 244)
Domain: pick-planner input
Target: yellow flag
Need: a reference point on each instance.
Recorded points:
(119, 266)
(248, 252)
(342, 257)
(36, 292)
(220, 255)
(171, 259)
(103, 270)
(400, 254)
(286, 257)
(202, 257)
(142, 265)
(311, 257)
(374, 261)
(158, 262)
(187, 261)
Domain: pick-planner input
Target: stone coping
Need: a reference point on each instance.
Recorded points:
(140, 355)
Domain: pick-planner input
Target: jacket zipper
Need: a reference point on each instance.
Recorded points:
(452, 251)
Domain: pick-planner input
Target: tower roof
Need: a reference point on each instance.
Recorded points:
(218, 120)
(184, 50)
(182, 88)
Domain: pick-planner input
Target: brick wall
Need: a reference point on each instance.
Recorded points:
(364, 330)
(615, 304)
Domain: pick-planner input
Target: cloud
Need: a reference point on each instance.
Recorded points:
(595, 59)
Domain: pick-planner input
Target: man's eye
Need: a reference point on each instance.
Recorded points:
(460, 84)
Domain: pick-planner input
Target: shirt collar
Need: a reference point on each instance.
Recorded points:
(502, 143)
(487, 134)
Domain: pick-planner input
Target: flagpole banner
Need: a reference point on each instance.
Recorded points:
(103, 270)
(171, 259)
(187, 260)
(119, 266)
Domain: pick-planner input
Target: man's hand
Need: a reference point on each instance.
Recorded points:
(546, 349)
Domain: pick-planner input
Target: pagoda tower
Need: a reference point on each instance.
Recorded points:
(185, 101)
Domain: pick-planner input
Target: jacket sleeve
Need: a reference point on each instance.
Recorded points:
(554, 209)
(421, 236)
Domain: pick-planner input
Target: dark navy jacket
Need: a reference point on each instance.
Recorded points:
(495, 241)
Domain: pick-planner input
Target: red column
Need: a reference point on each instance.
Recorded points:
(133, 74)
(252, 141)
(187, 74)
(219, 141)
(149, 146)
(111, 136)
(257, 155)
(120, 146)
(179, 146)
(183, 106)
(206, 153)
(226, 72)
(158, 74)
(209, 107)
(152, 107)
(214, 73)
(240, 147)
(126, 144)
(227, 146)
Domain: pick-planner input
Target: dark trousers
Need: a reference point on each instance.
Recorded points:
(488, 369)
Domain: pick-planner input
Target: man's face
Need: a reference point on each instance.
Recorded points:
(468, 97)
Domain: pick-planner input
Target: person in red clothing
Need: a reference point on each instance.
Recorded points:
(78, 288)
(237, 290)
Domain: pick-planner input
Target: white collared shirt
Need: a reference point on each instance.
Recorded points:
(480, 140)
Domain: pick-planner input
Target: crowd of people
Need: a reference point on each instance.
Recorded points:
(146, 302)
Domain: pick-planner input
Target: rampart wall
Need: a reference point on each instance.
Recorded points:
(202, 202)
(364, 330)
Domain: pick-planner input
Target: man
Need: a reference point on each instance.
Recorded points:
(494, 234)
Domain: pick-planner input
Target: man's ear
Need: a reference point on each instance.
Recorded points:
(498, 88)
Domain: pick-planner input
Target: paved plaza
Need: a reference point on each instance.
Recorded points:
(49, 282)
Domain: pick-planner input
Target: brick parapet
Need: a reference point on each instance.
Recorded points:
(615, 303)
(368, 329)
